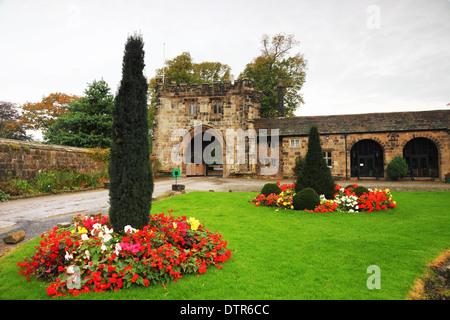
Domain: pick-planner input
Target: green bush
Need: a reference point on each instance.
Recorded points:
(45, 181)
(64, 180)
(3, 196)
(314, 171)
(270, 188)
(360, 190)
(307, 198)
(397, 168)
(299, 163)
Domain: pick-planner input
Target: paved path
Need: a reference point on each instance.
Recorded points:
(39, 214)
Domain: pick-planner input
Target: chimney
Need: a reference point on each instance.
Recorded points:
(280, 99)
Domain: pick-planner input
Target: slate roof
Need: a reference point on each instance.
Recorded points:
(359, 123)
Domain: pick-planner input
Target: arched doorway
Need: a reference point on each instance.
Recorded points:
(421, 155)
(366, 159)
(204, 153)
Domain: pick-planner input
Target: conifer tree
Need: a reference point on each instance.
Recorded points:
(131, 182)
(315, 173)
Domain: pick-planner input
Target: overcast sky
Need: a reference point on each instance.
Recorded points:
(363, 55)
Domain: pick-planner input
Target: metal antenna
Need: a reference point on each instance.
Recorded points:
(164, 60)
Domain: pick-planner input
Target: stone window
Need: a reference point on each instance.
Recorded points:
(192, 108)
(295, 143)
(328, 155)
(217, 107)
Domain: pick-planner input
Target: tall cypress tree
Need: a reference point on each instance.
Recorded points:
(315, 173)
(131, 182)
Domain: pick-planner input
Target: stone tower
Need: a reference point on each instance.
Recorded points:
(203, 113)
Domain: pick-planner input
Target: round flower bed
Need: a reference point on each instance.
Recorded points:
(345, 200)
(91, 257)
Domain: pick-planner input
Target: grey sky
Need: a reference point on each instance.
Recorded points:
(363, 55)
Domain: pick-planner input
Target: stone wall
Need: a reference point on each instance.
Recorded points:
(24, 159)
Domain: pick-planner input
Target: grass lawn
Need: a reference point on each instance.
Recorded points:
(289, 254)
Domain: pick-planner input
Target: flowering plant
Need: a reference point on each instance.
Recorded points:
(163, 251)
(345, 200)
(285, 199)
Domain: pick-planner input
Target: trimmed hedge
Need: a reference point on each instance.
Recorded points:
(306, 198)
(269, 188)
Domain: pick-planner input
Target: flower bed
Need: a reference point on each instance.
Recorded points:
(90, 257)
(345, 200)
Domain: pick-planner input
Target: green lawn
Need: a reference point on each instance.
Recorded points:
(290, 254)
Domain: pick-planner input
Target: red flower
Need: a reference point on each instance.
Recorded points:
(51, 291)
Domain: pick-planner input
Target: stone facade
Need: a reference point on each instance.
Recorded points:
(24, 159)
(340, 134)
(216, 107)
(355, 146)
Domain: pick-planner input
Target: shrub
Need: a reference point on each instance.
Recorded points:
(270, 188)
(307, 199)
(299, 163)
(359, 191)
(131, 180)
(397, 168)
(45, 181)
(315, 172)
(3, 196)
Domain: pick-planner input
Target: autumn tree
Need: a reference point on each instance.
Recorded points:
(88, 122)
(41, 115)
(10, 126)
(131, 181)
(274, 63)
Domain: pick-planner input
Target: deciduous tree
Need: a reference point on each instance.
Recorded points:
(10, 126)
(41, 115)
(275, 63)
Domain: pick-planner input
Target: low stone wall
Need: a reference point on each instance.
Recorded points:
(25, 159)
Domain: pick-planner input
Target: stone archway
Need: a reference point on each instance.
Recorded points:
(367, 159)
(204, 153)
(422, 156)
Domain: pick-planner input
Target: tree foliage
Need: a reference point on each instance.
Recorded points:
(88, 122)
(275, 63)
(10, 126)
(315, 173)
(131, 182)
(182, 69)
(41, 115)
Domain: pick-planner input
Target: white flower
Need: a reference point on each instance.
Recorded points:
(103, 247)
(68, 256)
(129, 229)
(84, 237)
(87, 255)
(106, 230)
(118, 248)
(107, 237)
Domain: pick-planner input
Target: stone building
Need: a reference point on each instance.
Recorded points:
(215, 129)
